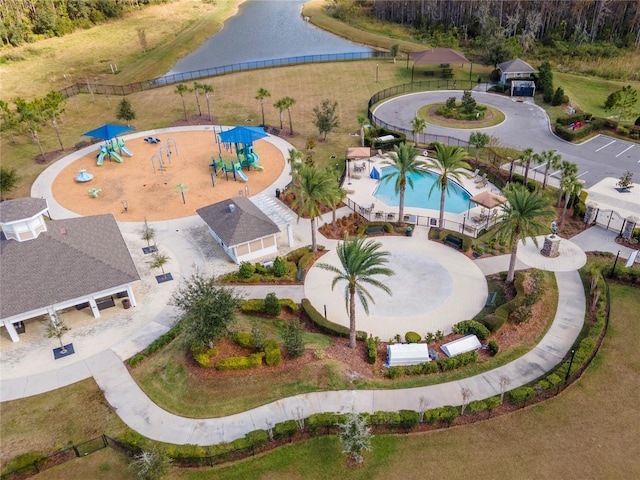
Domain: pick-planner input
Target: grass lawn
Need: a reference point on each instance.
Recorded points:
(56, 420)
(105, 464)
(590, 431)
(496, 119)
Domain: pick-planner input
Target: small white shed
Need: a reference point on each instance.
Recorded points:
(461, 345)
(407, 354)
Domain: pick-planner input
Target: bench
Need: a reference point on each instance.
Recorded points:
(454, 242)
(491, 299)
(374, 230)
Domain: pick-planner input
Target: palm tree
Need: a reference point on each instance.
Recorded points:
(197, 86)
(261, 95)
(362, 121)
(522, 217)
(527, 156)
(361, 260)
(337, 196)
(181, 89)
(288, 103)
(551, 159)
(479, 140)
(418, 126)
(208, 91)
(405, 161)
(311, 188)
(295, 160)
(449, 164)
(572, 187)
(281, 105)
(568, 168)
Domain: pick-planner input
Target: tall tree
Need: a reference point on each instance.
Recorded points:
(181, 89)
(449, 164)
(362, 121)
(362, 264)
(8, 180)
(355, 436)
(125, 111)
(326, 117)
(526, 157)
(418, 126)
(9, 119)
(623, 101)
(281, 105)
(52, 110)
(197, 89)
(567, 169)
(261, 95)
(551, 159)
(208, 91)
(572, 187)
(288, 103)
(30, 114)
(56, 328)
(523, 213)
(479, 140)
(406, 163)
(311, 188)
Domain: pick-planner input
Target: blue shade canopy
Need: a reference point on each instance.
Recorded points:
(107, 131)
(375, 174)
(244, 135)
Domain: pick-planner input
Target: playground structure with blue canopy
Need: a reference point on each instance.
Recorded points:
(242, 139)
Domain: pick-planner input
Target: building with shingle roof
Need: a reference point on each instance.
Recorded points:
(515, 69)
(59, 264)
(241, 229)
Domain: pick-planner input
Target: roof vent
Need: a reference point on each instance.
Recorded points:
(232, 207)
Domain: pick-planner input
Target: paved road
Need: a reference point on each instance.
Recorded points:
(526, 125)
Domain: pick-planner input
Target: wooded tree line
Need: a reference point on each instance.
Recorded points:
(26, 20)
(577, 20)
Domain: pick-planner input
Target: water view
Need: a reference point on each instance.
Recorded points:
(264, 30)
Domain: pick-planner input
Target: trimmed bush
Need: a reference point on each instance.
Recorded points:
(240, 363)
(446, 415)
(385, 418)
(272, 305)
(285, 428)
(289, 304)
(521, 394)
(292, 339)
(408, 419)
(493, 322)
(412, 337)
(327, 326)
(318, 421)
(259, 339)
(471, 327)
(257, 438)
(243, 339)
(372, 350)
(279, 267)
(306, 261)
(254, 305)
(272, 353)
(493, 347)
(447, 364)
(245, 270)
(477, 406)
(394, 372)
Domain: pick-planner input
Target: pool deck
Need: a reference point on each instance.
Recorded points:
(360, 190)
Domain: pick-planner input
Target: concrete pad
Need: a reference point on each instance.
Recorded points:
(433, 288)
(571, 256)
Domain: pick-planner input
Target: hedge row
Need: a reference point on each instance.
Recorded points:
(273, 355)
(388, 228)
(327, 326)
(156, 345)
(467, 241)
(471, 327)
(240, 363)
(426, 368)
(256, 305)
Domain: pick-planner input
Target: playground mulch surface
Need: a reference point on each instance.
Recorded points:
(155, 196)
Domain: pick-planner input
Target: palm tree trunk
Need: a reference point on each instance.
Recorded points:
(401, 209)
(560, 192)
(546, 175)
(281, 127)
(290, 123)
(208, 107)
(564, 209)
(352, 317)
(362, 135)
(526, 173)
(314, 247)
(184, 107)
(442, 196)
(262, 108)
(512, 261)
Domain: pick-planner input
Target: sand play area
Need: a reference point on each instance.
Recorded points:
(155, 196)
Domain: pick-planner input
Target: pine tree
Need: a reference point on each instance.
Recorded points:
(125, 112)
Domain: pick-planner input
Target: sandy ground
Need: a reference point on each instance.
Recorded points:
(156, 196)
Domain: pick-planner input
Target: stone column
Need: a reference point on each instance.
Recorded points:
(551, 246)
(591, 213)
(629, 226)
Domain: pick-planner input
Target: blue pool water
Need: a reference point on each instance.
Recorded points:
(456, 199)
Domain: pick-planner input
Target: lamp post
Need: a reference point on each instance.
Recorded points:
(377, 66)
(614, 265)
(510, 168)
(566, 378)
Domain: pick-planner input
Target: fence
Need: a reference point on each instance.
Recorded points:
(102, 89)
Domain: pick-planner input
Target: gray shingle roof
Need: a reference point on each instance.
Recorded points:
(20, 208)
(516, 66)
(244, 223)
(75, 257)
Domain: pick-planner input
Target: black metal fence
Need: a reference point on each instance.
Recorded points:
(102, 89)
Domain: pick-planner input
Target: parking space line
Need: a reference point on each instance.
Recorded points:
(583, 173)
(606, 145)
(624, 151)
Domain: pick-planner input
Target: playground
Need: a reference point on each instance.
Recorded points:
(179, 158)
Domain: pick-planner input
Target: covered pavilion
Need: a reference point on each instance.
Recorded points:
(438, 56)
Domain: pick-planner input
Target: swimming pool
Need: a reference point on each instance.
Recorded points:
(456, 199)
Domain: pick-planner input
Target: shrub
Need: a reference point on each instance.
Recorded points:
(240, 363)
(493, 322)
(272, 305)
(254, 305)
(327, 326)
(408, 419)
(244, 339)
(493, 347)
(306, 261)
(394, 372)
(286, 428)
(521, 394)
(451, 103)
(289, 304)
(246, 270)
(472, 327)
(372, 350)
(292, 339)
(412, 337)
(477, 406)
(429, 367)
(446, 414)
(447, 364)
(259, 339)
(257, 438)
(324, 420)
(23, 460)
(521, 314)
(385, 418)
(273, 355)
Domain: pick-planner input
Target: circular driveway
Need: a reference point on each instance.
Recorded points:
(434, 287)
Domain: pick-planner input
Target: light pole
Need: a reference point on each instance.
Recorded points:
(614, 265)
(377, 65)
(566, 378)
